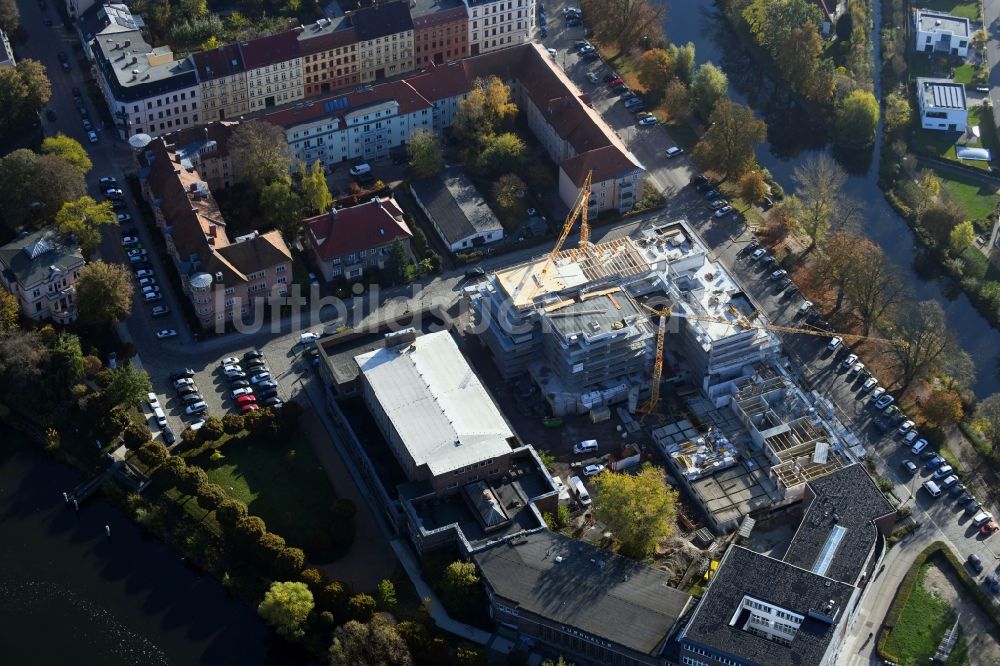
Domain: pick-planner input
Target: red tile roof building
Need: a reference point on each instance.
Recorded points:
(223, 277)
(346, 241)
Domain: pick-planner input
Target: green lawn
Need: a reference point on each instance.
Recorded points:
(969, 10)
(977, 199)
(921, 625)
(283, 483)
(964, 74)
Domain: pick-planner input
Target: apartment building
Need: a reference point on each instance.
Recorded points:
(345, 241)
(329, 56)
(385, 40)
(206, 150)
(224, 278)
(146, 89)
(362, 124)
(223, 83)
(39, 269)
(440, 31)
(274, 70)
(498, 24)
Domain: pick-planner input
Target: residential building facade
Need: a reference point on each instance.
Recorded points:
(329, 57)
(942, 105)
(385, 40)
(457, 211)
(206, 150)
(224, 278)
(222, 82)
(40, 269)
(345, 241)
(274, 70)
(940, 33)
(498, 24)
(146, 90)
(440, 31)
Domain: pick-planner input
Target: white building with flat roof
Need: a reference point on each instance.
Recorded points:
(937, 32)
(942, 105)
(437, 417)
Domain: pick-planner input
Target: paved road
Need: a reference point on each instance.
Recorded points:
(991, 23)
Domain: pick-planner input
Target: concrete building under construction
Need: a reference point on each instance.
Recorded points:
(579, 320)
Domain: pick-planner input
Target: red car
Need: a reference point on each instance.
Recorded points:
(249, 407)
(615, 81)
(989, 528)
(246, 399)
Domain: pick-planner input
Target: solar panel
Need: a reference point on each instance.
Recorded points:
(336, 104)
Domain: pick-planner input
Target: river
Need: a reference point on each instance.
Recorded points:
(69, 595)
(792, 136)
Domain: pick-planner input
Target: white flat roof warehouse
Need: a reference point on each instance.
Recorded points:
(436, 403)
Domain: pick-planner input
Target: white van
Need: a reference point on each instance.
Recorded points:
(982, 517)
(581, 491)
(932, 488)
(161, 418)
(360, 169)
(306, 338)
(586, 446)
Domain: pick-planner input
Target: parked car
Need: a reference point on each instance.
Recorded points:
(592, 77)
(905, 427)
(252, 407)
(108, 181)
(239, 383)
(153, 401)
(674, 151)
(910, 466)
(778, 274)
(988, 528)
(124, 218)
(943, 471)
(757, 254)
(144, 273)
(833, 344)
(975, 563)
(234, 373)
(869, 384)
(187, 390)
(192, 398)
(246, 399)
(168, 435)
(229, 360)
(181, 373)
(713, 194)
(934, 462)
(256, 379)
(725, 210)
(274, 401)
(591, 470)
(876, 394)
(196, 408)
(160, 310)
(884, 401)
(166, 333)
(242, 391)
(268, 393)
(92, 136)
(360, 169)
(910, 436)
(718, 203)
(147, 282)
(856, 369)
(648, 120)
(253, 353)
(849, 361)
(267, 384)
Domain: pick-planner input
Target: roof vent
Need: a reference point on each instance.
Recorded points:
(127, 43)
(218, 276)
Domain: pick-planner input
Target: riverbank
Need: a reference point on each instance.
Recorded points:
(119, 602)
(914, 198)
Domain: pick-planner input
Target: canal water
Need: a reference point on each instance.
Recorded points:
(792, 135)
(70, 595)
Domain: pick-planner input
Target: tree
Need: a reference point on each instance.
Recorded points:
(897, 112)
(65, 366)
(282, 207)
(728, 145)
(502, 153)
(34, 187)
(921, 337)
(172, 470)
(286, 607)
(799, 58)
(819, 203)
(129, 386)
(249, 529)
(845, 26)
(10, 312)
(361, 607)
(153, 454)
(425, 154)
(855, 120)
(929, 189)
(683, 59)
(24, 89)
(508, 192)
(84, 218)
(210, 496)
(752, 187)
(386, 595)
(10, 16)
(561, 661)
(67, 148)
(212, 429)
(316, 197)
(103, 294)
(770, 21)
(639, 509)
(397, 266)
(677, 100)
(873, 284)
(192, 479)
(134, 435)
(961, 237)
(261, 150)
(289, 562)
(232, 423)
(655, 71)
(484, 112)
(988, 419)
(229, 513)
(625, 23)
(957, 371)
(333, 597)
(708, 86)
(460, 586)
(376, 643)
(942, 408)
(939, 220)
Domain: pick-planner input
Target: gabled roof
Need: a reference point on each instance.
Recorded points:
(362, 227)
(217, 63)
(589, 589)
(455, 206)
(265, 51)
(409, 100)
(381, 20)
(605, 163)
(441, 81)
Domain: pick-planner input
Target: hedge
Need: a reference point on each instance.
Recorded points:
(909, 581)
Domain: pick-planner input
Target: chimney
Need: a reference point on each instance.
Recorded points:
(213, 230)
(193, 187)
(218, 276)
(128, 43)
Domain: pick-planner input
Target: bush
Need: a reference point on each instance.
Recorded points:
(333, 597)
(361, 607)
(211, 430)
(232, 423)
(230, 512)
(315, 579)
